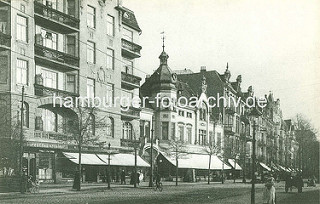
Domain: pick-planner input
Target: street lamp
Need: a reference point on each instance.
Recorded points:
(255, 113)
(151, 152)
(109, 170)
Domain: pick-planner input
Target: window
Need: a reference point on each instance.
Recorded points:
(22, 72)
(71, 83)
(127, 131)
(91, 17)
(126, 94)
(49, 39)
(203, 112)
(110, 59)
(109, 127)
(189, 115)
(38, 123)
(110, 25)
(49, 119)
(181, 132)
(202, 137)
(22, 28)
(91, 124)
(91, 52)
(110, 94)
(181, 113)
(90, 88)
(50, 78)
(164, 130)
(219, 139)
(71, 44)
(189, 134)
(127, 66)
(173, 131)
(211, 138)
(25, 114)
(127, 34)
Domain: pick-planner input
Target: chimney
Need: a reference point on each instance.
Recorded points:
(203, 68)
(147, 76)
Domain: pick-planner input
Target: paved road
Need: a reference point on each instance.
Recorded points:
(185, 194)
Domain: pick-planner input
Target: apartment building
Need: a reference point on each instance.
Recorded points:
(65, 49)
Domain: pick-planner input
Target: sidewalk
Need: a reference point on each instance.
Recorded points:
(59, 189)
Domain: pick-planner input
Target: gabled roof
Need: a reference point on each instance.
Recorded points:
(213, 79)
(128, 18)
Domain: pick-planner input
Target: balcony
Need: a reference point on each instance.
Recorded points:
(54, 19)
(229, 129)
(40, 90)
(129, 143)
(131, 113)
(55, 58)
(129, 81)
(5, 41)
(130, 49)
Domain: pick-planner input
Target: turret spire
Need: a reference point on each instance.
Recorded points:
(163, 37)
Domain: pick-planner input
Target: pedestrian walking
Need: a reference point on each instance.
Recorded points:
(123, 177)
(141, 176)
(269, 192)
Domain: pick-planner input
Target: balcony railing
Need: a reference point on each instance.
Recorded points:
(55, 15)
(130, 49)
(131, 113)
(57, 56)
(129, 143)
(5, 40)
(130, 81)
(41, 90)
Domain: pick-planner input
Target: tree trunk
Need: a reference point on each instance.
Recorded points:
(78, 187)
(177, 170)
(209, 169)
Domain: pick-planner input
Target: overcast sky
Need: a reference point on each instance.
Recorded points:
(274, 45)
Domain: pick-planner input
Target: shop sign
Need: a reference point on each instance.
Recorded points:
(46, 145)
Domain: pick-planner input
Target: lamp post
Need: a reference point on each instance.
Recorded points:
(22, 176)
(151, 154)
(255, 113)
(109, 170)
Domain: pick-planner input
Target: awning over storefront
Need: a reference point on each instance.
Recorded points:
(231, 161)
(123, 160)
(86, 159)
(197, 161)
(102, 159)
(265, 166)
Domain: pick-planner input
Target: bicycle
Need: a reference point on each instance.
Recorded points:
(34, 187)
(158, 186)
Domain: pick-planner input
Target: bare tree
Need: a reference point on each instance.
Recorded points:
(176, 149)
(211, 150)
(82, 132)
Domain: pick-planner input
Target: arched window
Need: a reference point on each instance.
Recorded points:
(203, 112)
(110, 127)
(127, 131)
